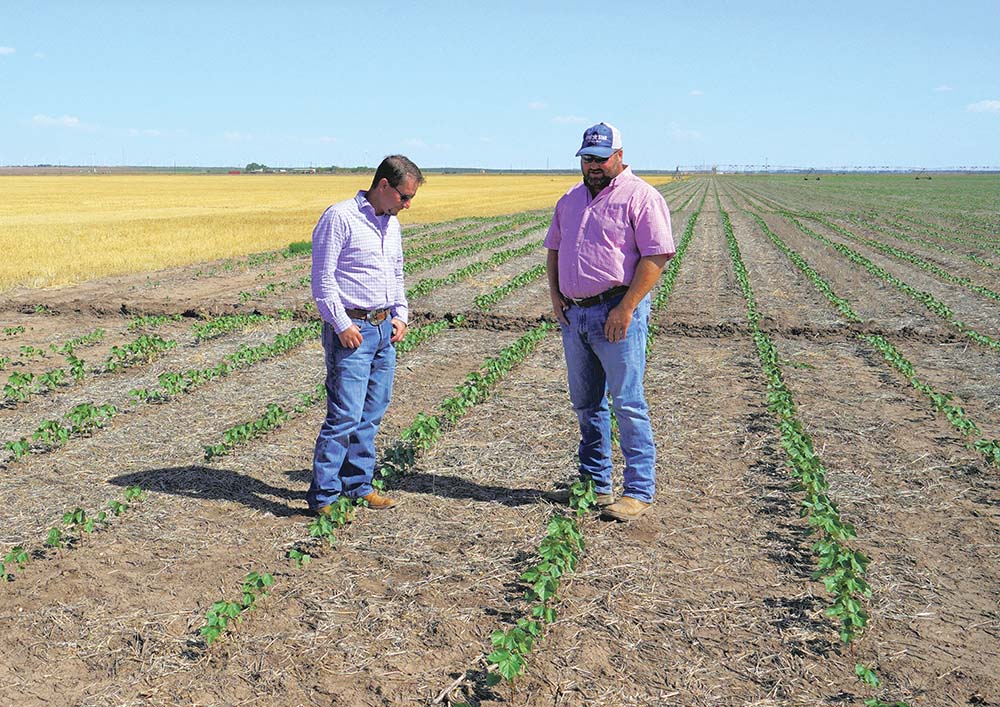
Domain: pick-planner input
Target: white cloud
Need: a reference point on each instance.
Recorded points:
(146, 132)
(537, 105)
(236, 136)
(683, 134)
(486, 139)
(6, 51)
(39, 55)
(326, 139)
(943, 88)
(66, 121)
(985, 107)
(697, 92)
(416, 142)
(568, 119)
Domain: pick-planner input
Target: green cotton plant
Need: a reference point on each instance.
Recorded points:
(18, 448)
(219, 616)
(16, 556)
(19, 386)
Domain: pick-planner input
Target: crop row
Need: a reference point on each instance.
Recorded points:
(895, 230)
(940, 401)
(418, 437)
(485, 301)
(927, 299)
(460, 252)
(76, 523)
(274, 416)
(427, 285)
(175, 383)
(840, 568)
(463, 236)
(916, 260)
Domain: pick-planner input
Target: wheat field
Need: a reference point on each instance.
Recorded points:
(58, 230)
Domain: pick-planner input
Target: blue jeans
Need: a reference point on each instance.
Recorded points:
(358, 387)
(597, 367)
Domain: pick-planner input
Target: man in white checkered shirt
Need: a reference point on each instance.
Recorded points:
(357, 282)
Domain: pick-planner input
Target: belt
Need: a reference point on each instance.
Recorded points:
(375, 316)
(598, 299)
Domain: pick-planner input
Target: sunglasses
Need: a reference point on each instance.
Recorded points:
(588, 159)
(404, 197)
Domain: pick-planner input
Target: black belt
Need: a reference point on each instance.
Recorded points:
(598, 299)
(375, 316)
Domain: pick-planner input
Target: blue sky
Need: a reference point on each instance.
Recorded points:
(499, 84)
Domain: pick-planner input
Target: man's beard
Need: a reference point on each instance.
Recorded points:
(597, 183)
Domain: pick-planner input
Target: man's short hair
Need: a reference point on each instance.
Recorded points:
(395, 168)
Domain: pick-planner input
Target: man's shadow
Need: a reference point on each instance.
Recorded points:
(207, 483)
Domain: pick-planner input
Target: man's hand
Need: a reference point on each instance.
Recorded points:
(398, 330)
(617, 323)
(350, 338)
(559, 307)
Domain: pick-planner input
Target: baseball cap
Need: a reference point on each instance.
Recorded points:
(601, 140)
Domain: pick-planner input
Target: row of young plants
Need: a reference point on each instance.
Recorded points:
(941, 402)
(275, 288)
(896, 230)
(220, 326)
(557, 557)
(429, 261)
(965, 242)
(75, 524)
(84, 419)
(840, 568)
(174, 383)
(80, 421)
(428, 285)
(413, 254)
(254, 588)
(927, 299)
(918, 261)
(274, 416)
(142, 350)
(487, 300)
(972, 225)
(662, 294)
(20, 386)
(397, 460)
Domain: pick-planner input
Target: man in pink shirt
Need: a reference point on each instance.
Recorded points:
(607, 246)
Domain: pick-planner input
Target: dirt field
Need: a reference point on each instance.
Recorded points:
(707, 601)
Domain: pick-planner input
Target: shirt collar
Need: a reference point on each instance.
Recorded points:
(365, 207)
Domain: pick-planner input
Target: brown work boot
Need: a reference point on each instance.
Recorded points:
(378, 501)
(563, 495)
(625, 509)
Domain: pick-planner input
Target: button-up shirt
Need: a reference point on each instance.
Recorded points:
(601, 239)
(357, 262)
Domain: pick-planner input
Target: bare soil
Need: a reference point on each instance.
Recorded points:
(707, 600)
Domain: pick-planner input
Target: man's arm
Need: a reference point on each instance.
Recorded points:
(647, 272)
(559, 304)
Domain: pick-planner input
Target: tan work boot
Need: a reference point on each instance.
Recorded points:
(563, 496)
(625, 509)
(378, 501)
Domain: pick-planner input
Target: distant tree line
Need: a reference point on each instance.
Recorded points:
(258, 167)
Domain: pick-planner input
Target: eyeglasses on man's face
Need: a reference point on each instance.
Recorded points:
(588, 159)
(403, 197)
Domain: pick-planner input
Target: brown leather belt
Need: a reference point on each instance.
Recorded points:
(375, 316)
(603, 297)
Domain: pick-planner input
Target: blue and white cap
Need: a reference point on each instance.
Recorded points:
(601, 140)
